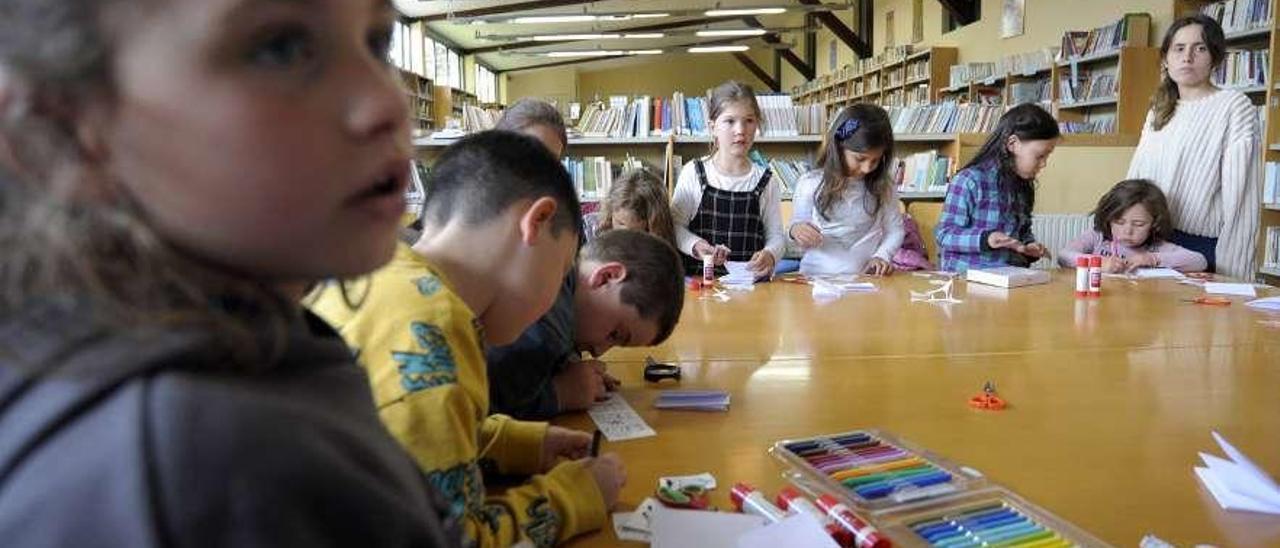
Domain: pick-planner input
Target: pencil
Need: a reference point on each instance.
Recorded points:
(595, 442)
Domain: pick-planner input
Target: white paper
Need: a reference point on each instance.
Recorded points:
(1269, 303)
(700, 528)
(824, 289)
(618, 421)
(942, 294)
(635, 526)
(738, 274)
(1238, 484)
(795, 530)
(1157, 273)
(1222, 288)
(704, 480)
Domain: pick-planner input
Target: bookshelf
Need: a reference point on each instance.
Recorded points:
(1269, 217)
(897, 78)
(419, 90)
(450, 103)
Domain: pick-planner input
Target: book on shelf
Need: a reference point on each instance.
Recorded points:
(1027, 63)
(988, 96)
(964, 73)
(1271, 185)
(1033, 91)
(1239, 15)
(1008, 276)
(593, 175)
(1242, 68)
(1094, 124)
(787, 171)
(476, 119)
(922, 172)
(1271, 254)
(1076, 44)
(779, 115)
(1087, 85)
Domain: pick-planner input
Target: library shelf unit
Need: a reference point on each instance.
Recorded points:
(420, 92)
(901, 81)
(1270, 213)
(1136, 73)
(449, 103)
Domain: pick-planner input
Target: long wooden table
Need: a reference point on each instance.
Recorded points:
(1111, 398)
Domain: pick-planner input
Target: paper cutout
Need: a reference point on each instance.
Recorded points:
(1238, 484)
(739, 276)
(834, 287)
(1271, 304)
(618, 421)
(940, 295)
(634, 526)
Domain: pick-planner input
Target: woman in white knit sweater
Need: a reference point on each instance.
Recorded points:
(1200, 145)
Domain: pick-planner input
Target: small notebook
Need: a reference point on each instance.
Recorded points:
(1008, 276)
(698, 400)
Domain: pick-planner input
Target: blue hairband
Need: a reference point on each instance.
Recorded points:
(846, 129)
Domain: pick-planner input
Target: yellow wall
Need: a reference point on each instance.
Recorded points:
(1066, 188)
(558, 83)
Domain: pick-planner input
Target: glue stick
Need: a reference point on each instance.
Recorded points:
(1082, 276)
(790, 500)
(709, 270)
(750, 501)
(865, 536)
(1095, 275)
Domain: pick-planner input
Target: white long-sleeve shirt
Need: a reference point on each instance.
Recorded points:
(1206, 160)
(851, 235)
(688, 194)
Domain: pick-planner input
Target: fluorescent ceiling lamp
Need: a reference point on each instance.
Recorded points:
(555, 37)
(746, 11)
(717, 49)
(644, 52)
(587, 53)
(649, 15)
(645, 35)
(554, 19)
(732, 32)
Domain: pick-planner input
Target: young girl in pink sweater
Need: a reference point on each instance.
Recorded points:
(1131, 226)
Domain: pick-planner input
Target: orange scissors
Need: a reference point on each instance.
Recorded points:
(1210, 301)
(988, 399)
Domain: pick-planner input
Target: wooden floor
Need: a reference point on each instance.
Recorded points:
(1111, 398)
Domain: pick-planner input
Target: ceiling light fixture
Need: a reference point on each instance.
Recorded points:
(541, 19)
(732, 32)
(745, 11)
(717, 49)
(558, 37)
(585, 53)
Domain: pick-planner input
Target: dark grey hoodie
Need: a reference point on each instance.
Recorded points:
(138, 439)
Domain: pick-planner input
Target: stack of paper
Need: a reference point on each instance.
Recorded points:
(1157, 273)
(1222, 288)
(827, 290)
(1238, 484)
(697, 400)
(699, 528)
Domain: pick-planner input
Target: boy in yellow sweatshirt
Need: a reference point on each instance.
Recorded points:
(500, 231)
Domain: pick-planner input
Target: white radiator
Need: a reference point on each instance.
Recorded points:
(1054, 231)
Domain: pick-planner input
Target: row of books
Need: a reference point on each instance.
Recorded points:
(811, 119)
(1027, 63)
(922, 172)
(787, 171)
(781, 117)
(1271, 184)
(1243, 68)
(964, 73)
(1098, 124)
(1077, 43)
(918, 69)
(593, 175)
(1087, 86)
(1271, 254)
(479, 119)
(945, 118)
(1239, 15)
(1035, 91)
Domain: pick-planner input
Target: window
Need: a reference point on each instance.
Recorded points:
(442, 65)
(486, 85)
(455, 70)
(949, 22)
(429, 63)
(394, 53)
(415, 50)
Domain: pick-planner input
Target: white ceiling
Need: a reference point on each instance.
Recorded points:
(444, 20)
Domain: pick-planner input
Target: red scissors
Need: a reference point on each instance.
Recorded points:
(988, 399)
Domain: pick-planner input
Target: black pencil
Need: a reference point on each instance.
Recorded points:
(595, 442)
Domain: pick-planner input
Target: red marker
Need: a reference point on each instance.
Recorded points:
(748, 500)
(865, 536)
(790, 500)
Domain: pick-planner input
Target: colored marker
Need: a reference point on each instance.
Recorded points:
(864, 535)
(790, 500)
(748, 500)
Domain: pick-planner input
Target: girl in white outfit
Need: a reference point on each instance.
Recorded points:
(846, 213)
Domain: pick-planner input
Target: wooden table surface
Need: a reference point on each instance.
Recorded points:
(1111, 398)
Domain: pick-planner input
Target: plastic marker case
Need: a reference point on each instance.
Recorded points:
(993, 516)
(871, 470)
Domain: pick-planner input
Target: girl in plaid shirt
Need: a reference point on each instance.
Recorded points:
(986, 220)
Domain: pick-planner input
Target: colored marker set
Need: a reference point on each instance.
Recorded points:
(873, 470)
(916, 498)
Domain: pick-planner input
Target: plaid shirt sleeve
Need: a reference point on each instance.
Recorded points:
(959, 229)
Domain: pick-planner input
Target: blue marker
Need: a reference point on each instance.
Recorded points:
(882, 489)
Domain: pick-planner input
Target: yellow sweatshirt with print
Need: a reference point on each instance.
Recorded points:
(423, 349)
